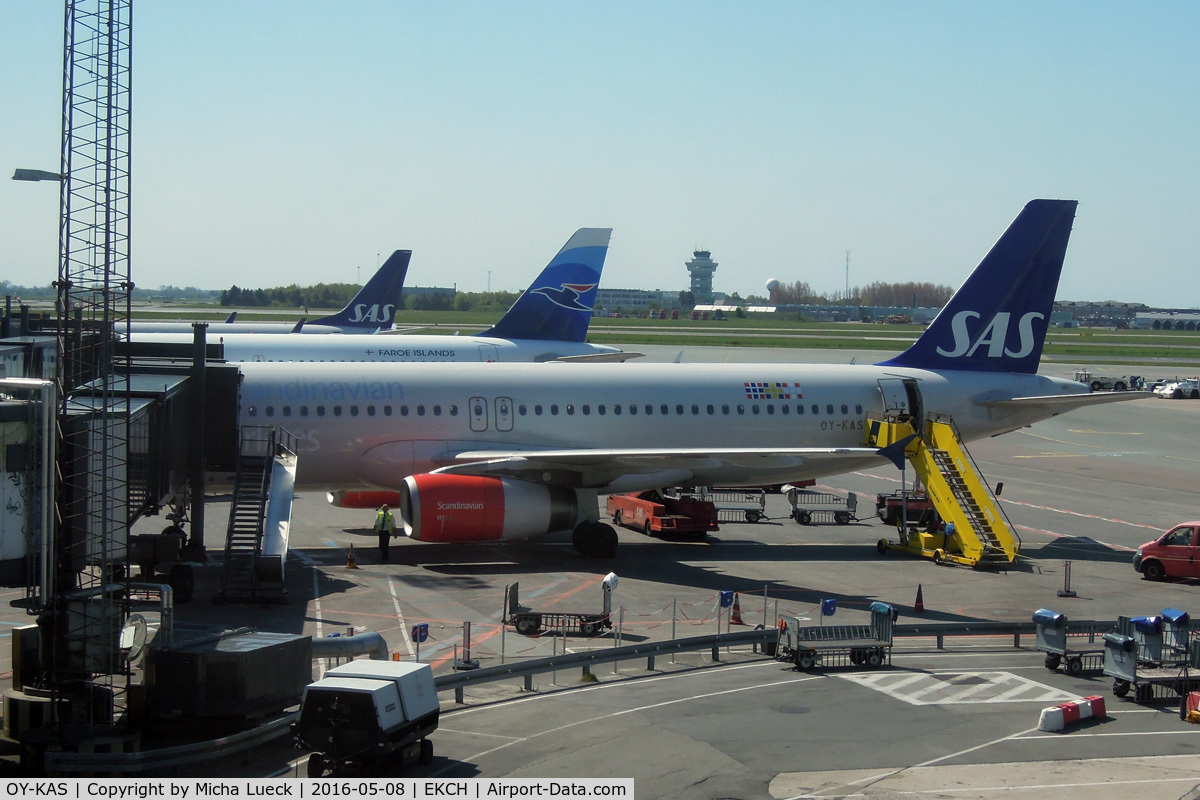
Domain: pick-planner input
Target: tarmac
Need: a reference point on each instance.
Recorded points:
(1086, 488)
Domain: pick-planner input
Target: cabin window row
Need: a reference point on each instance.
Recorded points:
(353, 411)
(681, 409)
(570, 409)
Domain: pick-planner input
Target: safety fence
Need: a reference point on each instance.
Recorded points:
(759, 639)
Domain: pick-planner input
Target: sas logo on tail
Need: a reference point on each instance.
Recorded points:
(994, 336)
(366, 313)
(566, 295)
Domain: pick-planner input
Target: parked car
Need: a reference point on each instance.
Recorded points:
(1175, 554)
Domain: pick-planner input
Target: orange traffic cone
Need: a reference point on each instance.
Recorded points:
(919, 605)
(735, 617)
(351, 561)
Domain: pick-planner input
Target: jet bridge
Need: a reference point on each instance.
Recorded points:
(981, 534)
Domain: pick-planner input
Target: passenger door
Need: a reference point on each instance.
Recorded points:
(1192, 568)
(504, 414)
(479, 414)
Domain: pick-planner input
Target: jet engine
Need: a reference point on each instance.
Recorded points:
(363, 498)
(469, 508)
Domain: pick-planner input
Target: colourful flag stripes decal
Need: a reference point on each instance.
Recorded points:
(773, 391)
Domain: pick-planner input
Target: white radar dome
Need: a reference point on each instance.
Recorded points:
(772, 285)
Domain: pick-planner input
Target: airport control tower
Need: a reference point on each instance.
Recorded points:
(702, 268)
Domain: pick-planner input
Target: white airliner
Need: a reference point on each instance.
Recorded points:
(500, 451)
(548, 321)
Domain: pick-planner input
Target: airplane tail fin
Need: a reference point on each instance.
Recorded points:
(997, 319)
(375, 305)
(558, 304)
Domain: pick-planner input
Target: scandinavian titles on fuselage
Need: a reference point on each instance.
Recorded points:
(296, 391)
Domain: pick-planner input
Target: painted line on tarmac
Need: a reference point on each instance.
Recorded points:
(1068, 512)
(1007, 788)
(408, 645)
(891, 773)
(317, 619)
(1188, 731)
(613, 715)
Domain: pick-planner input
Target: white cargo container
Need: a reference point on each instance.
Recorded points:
(414, 681)
(365, 712)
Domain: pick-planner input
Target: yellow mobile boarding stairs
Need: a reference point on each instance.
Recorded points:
(982, 535)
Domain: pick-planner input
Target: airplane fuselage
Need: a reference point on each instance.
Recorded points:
(180, 329)
(384, 349)
(375, 427)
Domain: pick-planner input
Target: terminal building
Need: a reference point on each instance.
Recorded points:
(608, 301)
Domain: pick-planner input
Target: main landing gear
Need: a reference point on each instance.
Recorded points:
(595, 539)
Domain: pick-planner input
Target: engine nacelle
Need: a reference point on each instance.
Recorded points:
(365, 498)
(469, 508)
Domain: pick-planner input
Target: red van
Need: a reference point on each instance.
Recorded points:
(1175, 554)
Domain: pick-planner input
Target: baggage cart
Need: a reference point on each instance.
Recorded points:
(838, 645)
(809, 506)
(528, 623)
(736, 505)
(1073, 649)
(1150, 681)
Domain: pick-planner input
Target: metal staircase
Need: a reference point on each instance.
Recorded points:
(982, 535)
(241, 575)
(974, 504)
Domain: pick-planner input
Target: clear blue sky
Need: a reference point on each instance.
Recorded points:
(293, 142)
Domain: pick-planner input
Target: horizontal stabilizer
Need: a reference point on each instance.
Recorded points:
(600, 358)
(895, 452)
(1062, 403)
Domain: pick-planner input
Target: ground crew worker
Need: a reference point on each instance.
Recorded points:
(385, 527)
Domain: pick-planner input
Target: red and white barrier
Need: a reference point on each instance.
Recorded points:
(1056, 718)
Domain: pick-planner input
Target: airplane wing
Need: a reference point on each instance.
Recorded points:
(633, 469)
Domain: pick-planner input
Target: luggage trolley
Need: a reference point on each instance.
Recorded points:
(1176, 633)
(1134, 658)
(1055, 637)
(737, 505)
(809, 506)
(838, 645)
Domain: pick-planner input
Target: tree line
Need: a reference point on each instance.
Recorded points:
(337, 295)
(902, 295)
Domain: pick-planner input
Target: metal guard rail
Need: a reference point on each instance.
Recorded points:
(649, 650)
(64, 762)
(58, 763)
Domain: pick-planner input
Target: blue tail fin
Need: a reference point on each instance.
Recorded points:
(375, 305)
(558, 304)
(997, 319)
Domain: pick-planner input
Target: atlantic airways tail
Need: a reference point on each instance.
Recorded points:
(375, 305)
(997, 320)
(558, 304)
